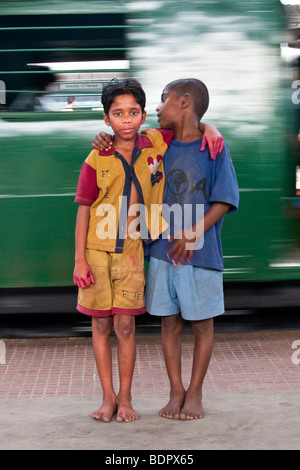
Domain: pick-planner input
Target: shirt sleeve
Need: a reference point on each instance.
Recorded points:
(87, 189)
(225, 185)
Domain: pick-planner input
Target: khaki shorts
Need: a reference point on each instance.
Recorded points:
(119, 282)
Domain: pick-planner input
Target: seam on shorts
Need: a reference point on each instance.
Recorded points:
(128, 311)
(92, 312)
(162, 314)
(206, 315)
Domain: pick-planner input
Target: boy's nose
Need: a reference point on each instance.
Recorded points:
(127, 118)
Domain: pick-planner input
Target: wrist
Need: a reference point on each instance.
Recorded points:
(79, 259)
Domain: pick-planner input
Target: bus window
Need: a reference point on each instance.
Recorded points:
(78, 85)
(45, 59)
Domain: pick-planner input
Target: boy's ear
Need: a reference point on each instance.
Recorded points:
(144, 117)
(106, 119)
(185, 100)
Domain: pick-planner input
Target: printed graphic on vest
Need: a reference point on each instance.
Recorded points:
(156, 176)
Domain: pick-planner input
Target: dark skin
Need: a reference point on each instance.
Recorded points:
(177, 113)
(211, 137)
(125, 117)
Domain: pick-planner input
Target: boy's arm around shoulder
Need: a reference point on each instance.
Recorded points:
(213, 138)
(167, 135)
(102, 141)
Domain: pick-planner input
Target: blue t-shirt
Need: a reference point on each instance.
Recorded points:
(193, 182)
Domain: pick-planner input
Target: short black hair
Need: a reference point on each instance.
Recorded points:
(196, 89)
(128, 86)
(70, 99)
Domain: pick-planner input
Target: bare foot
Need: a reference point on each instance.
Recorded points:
(106, 411)
(172, 409)
(192, 408)
(125, 411)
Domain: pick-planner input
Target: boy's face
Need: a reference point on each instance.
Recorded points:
(125, 117)
(169, 109)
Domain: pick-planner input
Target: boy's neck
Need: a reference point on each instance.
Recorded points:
(124, 147)
(187, 131)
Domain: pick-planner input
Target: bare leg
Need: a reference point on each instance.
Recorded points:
(101, 330)
(171, 343)
(192, 408)
(124, 326)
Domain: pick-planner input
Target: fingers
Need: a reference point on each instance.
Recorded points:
(214, 148)
(218, 146)
(83, 281)
(204, 142)
(79, 282)
(215, 144)
(91, 277)
(102, 141)
(178, 253)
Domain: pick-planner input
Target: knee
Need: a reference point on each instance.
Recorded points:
(102, 326)
(172, 325)
(203, 327)
(124, 327)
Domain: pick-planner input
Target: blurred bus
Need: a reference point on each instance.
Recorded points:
(239, 49)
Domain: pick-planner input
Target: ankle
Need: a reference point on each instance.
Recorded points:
(194, 393)
(109, 396)
(177, 391)
(124, 397)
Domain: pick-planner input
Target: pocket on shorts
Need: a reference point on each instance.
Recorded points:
(128, 275)
(97, 296)
(97, 259)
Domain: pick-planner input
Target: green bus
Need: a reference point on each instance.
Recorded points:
(52, 51)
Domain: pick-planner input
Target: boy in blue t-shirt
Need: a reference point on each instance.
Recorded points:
(185, 278)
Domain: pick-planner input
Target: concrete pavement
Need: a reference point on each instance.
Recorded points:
(49, 387)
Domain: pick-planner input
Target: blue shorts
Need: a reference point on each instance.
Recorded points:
(196, 293)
